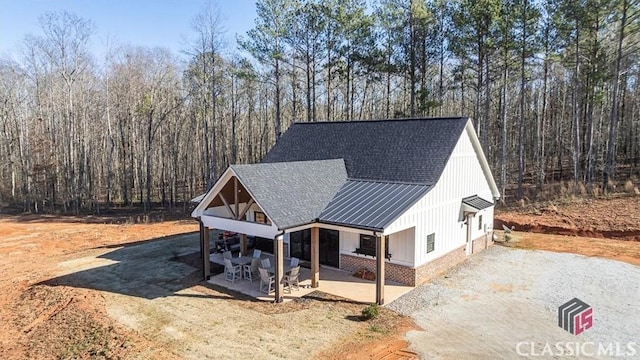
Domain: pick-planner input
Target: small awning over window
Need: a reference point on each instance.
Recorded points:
(475, 203)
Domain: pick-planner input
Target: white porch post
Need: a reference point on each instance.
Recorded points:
(380, 257)
(279, 266)
(206, 266)
(315, 257)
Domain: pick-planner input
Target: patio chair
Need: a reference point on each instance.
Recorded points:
(267, 283)
(292, 279)
(249, 269)
(227, 255)
(294, 262)
(265, 263)
(257, 253)
(232, 272)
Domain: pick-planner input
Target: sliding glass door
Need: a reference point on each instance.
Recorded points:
(300, 246)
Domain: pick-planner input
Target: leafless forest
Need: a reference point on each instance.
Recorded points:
(553, 87)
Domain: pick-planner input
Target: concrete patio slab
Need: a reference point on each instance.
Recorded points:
(332, 281)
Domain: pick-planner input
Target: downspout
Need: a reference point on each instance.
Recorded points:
(278, 296)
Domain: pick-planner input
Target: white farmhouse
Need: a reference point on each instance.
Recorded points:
(403, 198)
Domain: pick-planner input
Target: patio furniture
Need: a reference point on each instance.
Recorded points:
(257, 253)
(292, 279)
(285, 269)
(250, 269)
(267, 283)
(265, 263)
(227, 255)
(232, 272)
(294, 262)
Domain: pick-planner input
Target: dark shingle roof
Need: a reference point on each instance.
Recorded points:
(408, 151)
(292, 193)
(371, 205)
(477, 202)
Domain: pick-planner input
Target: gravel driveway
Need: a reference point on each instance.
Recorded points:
(503, 303)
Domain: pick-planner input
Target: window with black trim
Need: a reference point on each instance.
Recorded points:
(368, 246)
(480, 222)
(260, 217)
(431, 242)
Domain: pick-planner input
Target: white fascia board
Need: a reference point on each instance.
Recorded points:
(475, 142)
(329, 227)
(241, 227)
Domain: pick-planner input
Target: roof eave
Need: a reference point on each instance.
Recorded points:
(475, 142)
(353, 226)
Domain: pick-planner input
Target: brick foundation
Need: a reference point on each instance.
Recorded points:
(434, 267)
(482, 243)
(415, 276)
(393, 272)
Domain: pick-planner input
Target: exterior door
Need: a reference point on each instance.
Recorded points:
(330, 247)
(469, 246)
(300, 246)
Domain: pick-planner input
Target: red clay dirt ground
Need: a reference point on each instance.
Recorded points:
(607, 227)
(44, 322)
(615, 218)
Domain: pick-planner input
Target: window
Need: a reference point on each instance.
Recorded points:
(260, 217)
(368, 246)
(431, 242)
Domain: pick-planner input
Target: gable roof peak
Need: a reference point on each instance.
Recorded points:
(382, 120)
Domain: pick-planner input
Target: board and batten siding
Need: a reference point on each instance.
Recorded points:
(439, 212)
(401, 245)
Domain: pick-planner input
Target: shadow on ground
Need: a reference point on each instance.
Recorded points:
(158, 268)
(148, 269)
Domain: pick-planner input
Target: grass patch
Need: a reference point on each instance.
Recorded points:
(370, 312)
(379, 329)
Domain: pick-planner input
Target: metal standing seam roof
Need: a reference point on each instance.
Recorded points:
(477, 202)
(292, 193)
(371, 205)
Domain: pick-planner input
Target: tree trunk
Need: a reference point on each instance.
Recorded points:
(610, 167)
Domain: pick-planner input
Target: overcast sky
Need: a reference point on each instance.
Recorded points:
(164, 23)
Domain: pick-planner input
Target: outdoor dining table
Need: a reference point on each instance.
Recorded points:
(285, 269)
(241, 260)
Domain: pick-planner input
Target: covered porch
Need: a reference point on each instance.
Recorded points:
(312, 277)
(266, 201)
(331, 281)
